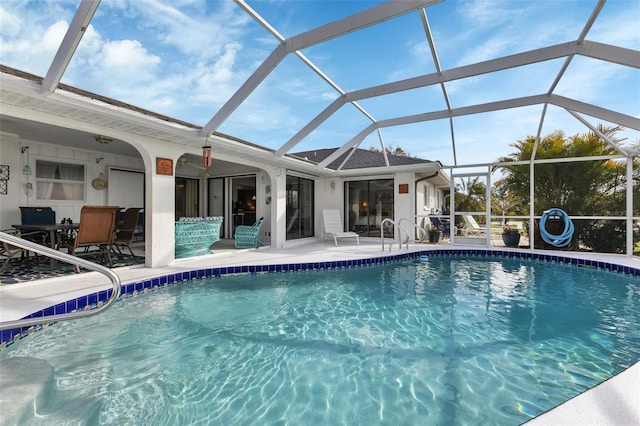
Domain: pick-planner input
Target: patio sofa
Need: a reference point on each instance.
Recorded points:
(196, 235)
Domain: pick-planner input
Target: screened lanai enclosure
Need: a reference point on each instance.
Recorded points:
(528, 112)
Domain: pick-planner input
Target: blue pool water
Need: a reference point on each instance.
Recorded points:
(446, 341)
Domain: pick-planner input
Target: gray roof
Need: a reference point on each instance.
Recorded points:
(361, 158)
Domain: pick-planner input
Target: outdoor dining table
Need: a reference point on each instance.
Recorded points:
(53, 229)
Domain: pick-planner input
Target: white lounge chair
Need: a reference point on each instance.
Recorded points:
(333, 226)
(471, 226)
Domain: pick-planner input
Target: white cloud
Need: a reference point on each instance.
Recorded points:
(54, 35)
(10, 22)
(127, 56)
(30, 33)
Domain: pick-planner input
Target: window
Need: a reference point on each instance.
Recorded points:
(427, 201)
(299, 208)
(59, 181)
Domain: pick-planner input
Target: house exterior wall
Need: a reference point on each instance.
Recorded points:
(10, 154)
(404, 203)
(160, 191)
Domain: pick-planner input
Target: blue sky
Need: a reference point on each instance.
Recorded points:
(185, 58)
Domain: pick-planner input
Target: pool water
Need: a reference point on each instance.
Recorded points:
(448, 341)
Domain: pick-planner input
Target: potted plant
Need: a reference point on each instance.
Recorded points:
(434, 233)
(510, 236)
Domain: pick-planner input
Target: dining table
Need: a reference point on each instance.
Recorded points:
(54, 230)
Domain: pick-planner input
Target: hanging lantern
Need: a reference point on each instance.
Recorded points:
(206, 156)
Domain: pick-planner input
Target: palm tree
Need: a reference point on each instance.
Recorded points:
(470, 195)
(579, 188)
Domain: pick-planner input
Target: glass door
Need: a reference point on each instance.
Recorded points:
(216, 199)
(299, 207)
(368, 204)
(187, 200)
(243, 201)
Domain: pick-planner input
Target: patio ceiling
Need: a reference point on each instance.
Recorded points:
(427, 98)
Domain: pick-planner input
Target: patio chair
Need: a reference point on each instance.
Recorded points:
(333, 227)
(9, 251)
(97, 224)
(30, 215)
(125, 230)
(471, 226)
(247, 236)
(442, 225)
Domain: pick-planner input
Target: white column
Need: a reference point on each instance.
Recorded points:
(278, 176)
(159, 207)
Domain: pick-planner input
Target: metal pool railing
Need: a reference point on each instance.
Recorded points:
(51, 253)
(401, 231)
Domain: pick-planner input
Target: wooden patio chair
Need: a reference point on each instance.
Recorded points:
(247, 236)
(126, 230)
(96, 229)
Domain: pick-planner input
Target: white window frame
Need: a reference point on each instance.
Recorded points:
(39, 181)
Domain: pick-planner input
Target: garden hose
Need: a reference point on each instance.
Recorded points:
(563, 239)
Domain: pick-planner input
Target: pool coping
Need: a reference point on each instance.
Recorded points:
(152, 279)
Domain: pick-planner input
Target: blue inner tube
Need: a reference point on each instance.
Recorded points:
(563, 239)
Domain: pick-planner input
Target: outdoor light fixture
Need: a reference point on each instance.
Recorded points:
(206, 155)
(26, 170)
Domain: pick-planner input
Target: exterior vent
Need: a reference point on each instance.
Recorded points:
(103, 139)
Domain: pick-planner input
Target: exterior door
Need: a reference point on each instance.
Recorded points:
(299, 207)
(369, 202)
(187, 200)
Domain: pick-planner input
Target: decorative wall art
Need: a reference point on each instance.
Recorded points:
(164, 166)
(4, 179)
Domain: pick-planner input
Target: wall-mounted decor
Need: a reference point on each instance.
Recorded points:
(4, 179)
(403, 188)
(164, 166)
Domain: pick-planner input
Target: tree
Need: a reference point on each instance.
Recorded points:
(471, 195)
(391, 150)
(588, 188)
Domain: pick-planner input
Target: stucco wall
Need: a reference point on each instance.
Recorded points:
(10, 154)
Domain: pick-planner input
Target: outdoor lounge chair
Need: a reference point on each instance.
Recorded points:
(247, 236)
(471, 226)
(333, 226)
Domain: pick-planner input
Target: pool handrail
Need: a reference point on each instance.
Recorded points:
(422, 233)
(400, 242)
(49, 252)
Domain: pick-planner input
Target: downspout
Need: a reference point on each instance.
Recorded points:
(415, 186)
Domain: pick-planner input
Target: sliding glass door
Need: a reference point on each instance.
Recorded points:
(299, 208)
(187, 200)
(369, 202)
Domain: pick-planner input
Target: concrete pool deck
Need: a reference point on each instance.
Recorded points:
(614, 402)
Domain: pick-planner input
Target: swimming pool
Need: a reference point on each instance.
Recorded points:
(453, 340)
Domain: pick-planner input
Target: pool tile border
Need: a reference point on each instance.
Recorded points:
(94, 300)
